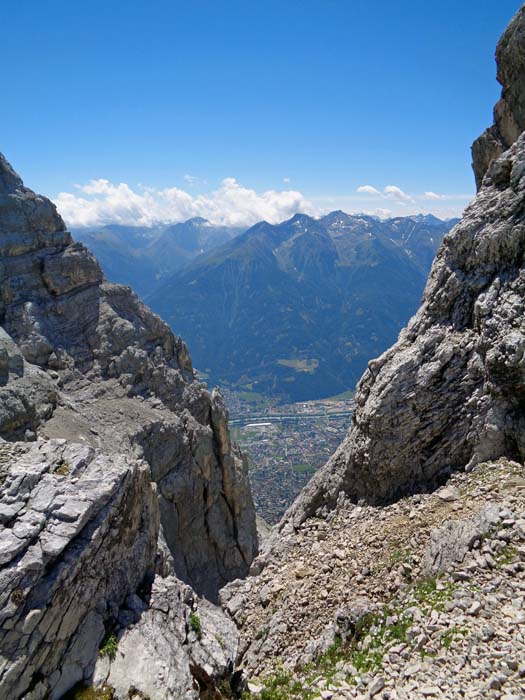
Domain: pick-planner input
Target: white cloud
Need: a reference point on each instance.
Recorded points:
(394, 192)
(286, 180)
(393, 201)
(102, 202)
(368, 189)
(389, 192)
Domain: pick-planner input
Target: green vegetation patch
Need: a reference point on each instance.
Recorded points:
(109, 647)
(302, 468)
(507, 555)
(400, 555)
(364, 652)
(104, 692)
(451, 635)
(284, 685)
(195, 625)
(260, 400)
(347, 395)
(375, 633)
(429, 594)
(308, 366)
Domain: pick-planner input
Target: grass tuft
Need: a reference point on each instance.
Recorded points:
(195, 625)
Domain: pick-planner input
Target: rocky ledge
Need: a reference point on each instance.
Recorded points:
(509, 112)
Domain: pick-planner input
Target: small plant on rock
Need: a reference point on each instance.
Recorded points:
(195, 625)
(507, 555)
(399, 555)
(17, 596)
(283, 685)
(451, 635)
(427, 592)
(63, 469)
(109, 647)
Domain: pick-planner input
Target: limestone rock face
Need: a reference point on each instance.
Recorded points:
(449, 544)
(78, 535)
(27, 395)
(162, 656)
(133, 459)
(509, 113)
(125, 382)
(450, 393)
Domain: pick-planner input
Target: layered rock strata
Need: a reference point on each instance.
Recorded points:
(78, 535)
(85, 362)
(103, 348)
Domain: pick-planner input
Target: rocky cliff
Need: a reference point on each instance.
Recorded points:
(450, 393)
(84, 362)
(509, 112)
(360, 593)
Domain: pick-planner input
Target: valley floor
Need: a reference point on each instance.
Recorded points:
(285, 444)
(420, 599)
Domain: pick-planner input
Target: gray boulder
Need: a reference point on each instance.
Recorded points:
(78, 534)
(179, 647)
(28, 395)
(449, 544)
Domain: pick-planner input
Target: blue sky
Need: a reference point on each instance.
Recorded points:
(206, 106)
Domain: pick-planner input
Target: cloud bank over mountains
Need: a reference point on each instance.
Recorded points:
(100, 202)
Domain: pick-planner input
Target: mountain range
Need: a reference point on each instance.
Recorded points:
(297, 309)
(141, 256)
(130, 560)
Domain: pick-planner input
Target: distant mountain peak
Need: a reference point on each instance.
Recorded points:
(335, 217)
(336, 290)
(427, 218)
(198, 220)
(299, 218)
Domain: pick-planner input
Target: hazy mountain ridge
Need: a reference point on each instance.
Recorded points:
(306, 302)
(142, 256)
